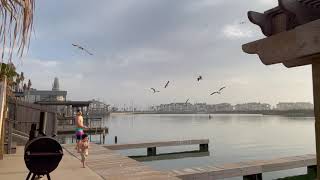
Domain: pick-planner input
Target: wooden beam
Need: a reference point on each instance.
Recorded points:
(157, 144)
(289, 46)
(3, 95)
(250, 169)
(316, 100)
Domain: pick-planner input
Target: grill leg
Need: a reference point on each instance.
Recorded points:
(48, 176)
(28, 176)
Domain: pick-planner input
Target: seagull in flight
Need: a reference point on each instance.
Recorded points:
(222, 88)
(199, 78)
(154, 90)
(219, 91)
(81, 48)
(167, 84)
(216, 92)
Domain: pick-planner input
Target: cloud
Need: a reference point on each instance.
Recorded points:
(235, 31)
(42, 63)
(142, 44)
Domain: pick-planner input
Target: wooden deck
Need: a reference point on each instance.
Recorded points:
(112, 166)
(70, 129)
(251, 169)
(152, 146)
(157, 144)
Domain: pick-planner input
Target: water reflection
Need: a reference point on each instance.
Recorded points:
(233, 138)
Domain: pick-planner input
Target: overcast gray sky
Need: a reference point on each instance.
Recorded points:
(138, 44)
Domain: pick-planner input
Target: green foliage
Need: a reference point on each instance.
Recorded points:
(8, 70)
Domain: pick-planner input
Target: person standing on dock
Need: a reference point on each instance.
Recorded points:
(79, 128)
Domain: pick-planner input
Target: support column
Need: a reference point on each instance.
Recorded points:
(151, 151)
(253, 177)
(316, 100)
(312, 171)
(204, 147)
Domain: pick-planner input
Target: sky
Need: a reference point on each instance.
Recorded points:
(139, 44)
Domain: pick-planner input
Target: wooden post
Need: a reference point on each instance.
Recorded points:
(312, 171)
(151, 151)
(3, 94)
(316, 100)
(204, 147)
(253, 177)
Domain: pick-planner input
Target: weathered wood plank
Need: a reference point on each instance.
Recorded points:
(3, 94)
(156, 144)
(71, 130)
(112, 166)
(245, 168)
(316, 101)
(289, 46)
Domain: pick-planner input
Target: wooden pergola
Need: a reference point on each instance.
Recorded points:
(293, 39)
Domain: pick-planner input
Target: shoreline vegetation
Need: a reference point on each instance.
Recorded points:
(289, 113)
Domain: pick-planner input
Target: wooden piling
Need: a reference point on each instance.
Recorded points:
(253, 177)
(312, 171)
(151, 151)
(204, 147)
(316, 100)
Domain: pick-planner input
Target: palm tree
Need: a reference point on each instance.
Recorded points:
(16, 25)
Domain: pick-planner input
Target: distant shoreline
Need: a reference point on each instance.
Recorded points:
(290, 113)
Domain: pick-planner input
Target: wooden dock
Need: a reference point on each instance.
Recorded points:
(251, 170)
(70, 129)
(151, 146)
(112, 166)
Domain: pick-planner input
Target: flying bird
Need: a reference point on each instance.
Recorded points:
(222, 88)
(81, 48)
(154, 90)
(199, 78)
(167, 84)
(216, 92)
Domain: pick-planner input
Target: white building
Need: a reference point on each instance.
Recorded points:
(252, 107)
(285, 106)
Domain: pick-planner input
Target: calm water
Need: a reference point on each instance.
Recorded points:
(233, 138)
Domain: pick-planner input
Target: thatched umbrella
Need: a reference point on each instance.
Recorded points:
(16, 25)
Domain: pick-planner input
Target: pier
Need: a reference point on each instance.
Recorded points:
(112, 166)
(250, 170)
(152, 146)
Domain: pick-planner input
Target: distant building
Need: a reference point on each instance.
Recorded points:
(285, 106)
(223, 107)
(252, 107)
(34, 95)
(175, 108)
(55, 86)
(201, 107)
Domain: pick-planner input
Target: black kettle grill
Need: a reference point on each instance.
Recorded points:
(42, 154)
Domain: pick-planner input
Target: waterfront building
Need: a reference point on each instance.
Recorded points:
(34, 95)
(175, 108)
(285, 106)
(201, 107)
(98, 108)
(252, 107)
(224, 107)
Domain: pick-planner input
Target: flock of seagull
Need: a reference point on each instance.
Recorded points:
(199, 78)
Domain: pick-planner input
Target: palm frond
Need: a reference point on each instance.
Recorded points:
(16, 18)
